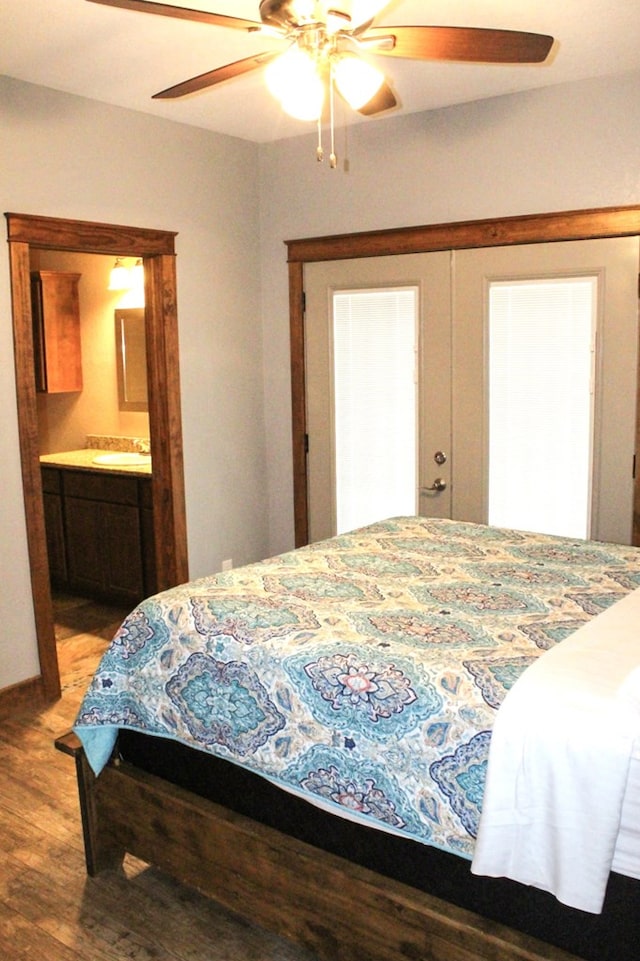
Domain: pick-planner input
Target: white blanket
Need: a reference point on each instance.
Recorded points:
(559, 760)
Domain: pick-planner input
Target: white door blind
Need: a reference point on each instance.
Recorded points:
(374, 373)
(541, 349)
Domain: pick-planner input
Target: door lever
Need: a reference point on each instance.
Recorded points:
(438, 485)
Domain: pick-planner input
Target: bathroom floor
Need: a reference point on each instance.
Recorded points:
(83, 630)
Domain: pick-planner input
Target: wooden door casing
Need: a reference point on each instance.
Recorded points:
(157, 249)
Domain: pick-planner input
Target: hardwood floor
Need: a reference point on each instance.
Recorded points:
(49, 908)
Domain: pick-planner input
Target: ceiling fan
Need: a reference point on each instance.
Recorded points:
(326, 45)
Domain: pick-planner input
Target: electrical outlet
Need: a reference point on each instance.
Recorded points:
(227, 565)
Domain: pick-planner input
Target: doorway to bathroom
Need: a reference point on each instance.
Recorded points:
(156, 250)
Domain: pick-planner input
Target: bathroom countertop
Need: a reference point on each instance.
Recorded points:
(84, 460)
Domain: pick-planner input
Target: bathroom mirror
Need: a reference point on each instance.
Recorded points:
(131, 359)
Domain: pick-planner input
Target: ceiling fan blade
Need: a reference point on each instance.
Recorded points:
(182, 13)
(473, 44)
(218, 75)
(384, 99)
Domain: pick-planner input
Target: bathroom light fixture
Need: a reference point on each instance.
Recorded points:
(137, 274)
(120, 276)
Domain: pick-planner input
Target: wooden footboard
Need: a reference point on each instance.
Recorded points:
(338, 910)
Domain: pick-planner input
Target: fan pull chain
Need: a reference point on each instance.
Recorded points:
(319, 150)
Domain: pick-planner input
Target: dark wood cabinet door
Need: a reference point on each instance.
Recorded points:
(84, 536)
(122, 552)
(54, 526)
(104, 551)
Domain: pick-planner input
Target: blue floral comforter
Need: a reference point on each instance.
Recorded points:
(363, 672)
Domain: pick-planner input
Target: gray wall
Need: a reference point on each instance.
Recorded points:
(567, 147)
(65, 156)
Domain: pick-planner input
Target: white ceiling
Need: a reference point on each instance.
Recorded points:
(123, 57)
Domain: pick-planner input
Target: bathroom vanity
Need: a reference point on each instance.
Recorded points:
(99, 525)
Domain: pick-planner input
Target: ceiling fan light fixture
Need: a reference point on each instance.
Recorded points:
(307, 103)
(324, 35)
(293, 79)
(292, 67)
(356, 80)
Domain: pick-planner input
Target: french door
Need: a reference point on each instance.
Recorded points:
(614, 265)
(430, 275)
(452, 435)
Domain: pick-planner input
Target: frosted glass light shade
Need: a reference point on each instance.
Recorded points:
(293, 79)
(120, 276)
(357, 80)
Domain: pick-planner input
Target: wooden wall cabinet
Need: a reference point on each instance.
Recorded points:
(56, 331)
(100, 534)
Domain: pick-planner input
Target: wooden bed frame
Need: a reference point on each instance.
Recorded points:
(339, 910)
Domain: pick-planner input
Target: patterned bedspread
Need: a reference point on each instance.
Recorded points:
(363, 672)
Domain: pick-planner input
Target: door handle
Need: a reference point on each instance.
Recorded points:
(438, 485)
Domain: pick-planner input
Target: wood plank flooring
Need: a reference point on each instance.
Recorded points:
(49, 909)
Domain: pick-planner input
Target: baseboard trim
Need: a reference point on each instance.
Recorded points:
(15, 698)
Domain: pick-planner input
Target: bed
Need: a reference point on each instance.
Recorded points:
(308, 740)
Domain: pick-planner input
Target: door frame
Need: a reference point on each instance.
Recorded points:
(157, 250)
(498, 232)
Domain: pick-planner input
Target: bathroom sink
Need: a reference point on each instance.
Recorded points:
(122, 459)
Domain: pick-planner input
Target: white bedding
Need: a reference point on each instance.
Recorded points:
(564, 766)
(626, 857)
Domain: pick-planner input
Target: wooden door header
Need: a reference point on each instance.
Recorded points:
(527, 229)
(51, 232)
